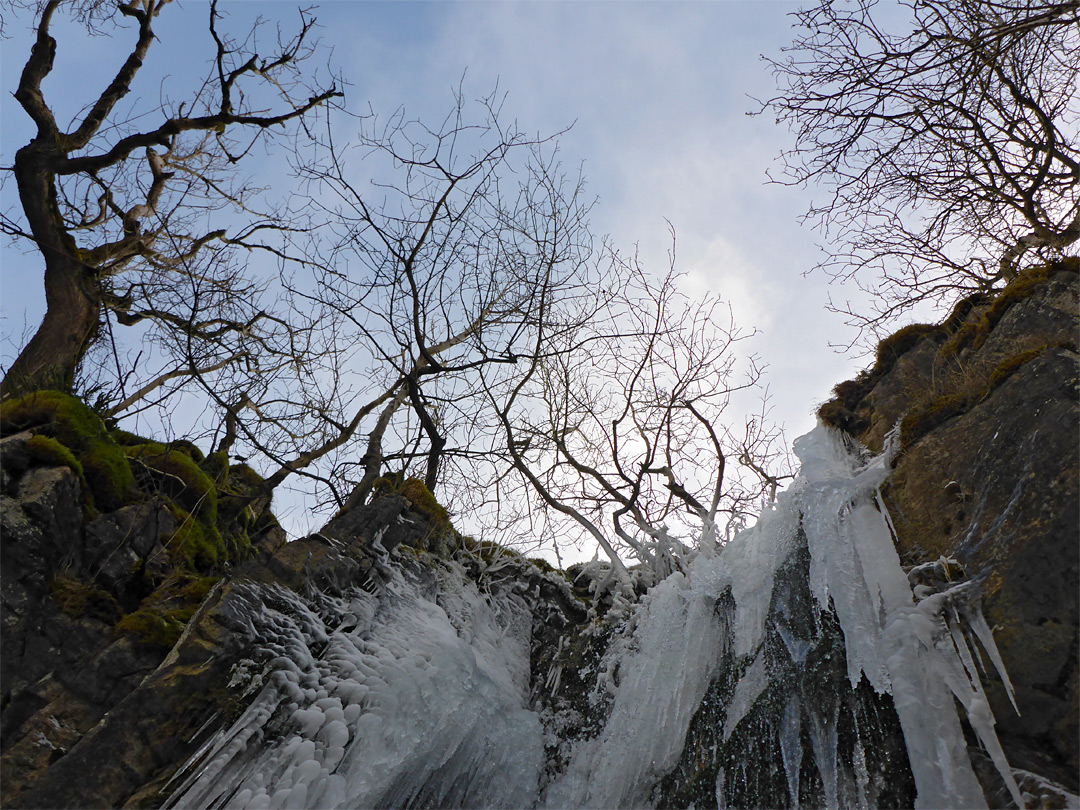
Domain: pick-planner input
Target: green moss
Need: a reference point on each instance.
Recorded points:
(125, 438)
(195, 544)
(71, 423)
(152, 630)
(424, 502)
(391, 482)
(413, 551)
(49, 452)
(1009, 366)
(190, 449)
(197, 589)
(182, 479)
(108, 474)
(79, 600)
(237, 545)
(959, 331)
(837, 415)
(63, 416)
(244, 479)
(418, 495)
(216, 465)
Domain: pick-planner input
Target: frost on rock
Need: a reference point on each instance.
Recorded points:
(920, 653)
(816, 679)
(400, 700)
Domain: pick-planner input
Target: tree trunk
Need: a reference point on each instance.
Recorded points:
(72, 290)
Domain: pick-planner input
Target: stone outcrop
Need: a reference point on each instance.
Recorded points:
(102, 572)
(134, 574)
(119, 658)
(988, 474)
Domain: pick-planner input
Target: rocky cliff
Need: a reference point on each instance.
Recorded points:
(986, 405)
(136, 576)
(131, 608)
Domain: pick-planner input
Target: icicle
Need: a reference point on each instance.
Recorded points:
(790, 748)
(862, 775)
(721, 796)
(418, 702)
(977, 622)
(749, 687)
(888, 638)
(823, 742)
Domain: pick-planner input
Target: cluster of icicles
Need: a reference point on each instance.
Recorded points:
(420, 696)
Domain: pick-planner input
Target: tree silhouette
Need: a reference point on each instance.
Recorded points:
(945, 142)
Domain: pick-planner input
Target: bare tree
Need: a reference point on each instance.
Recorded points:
(439, 248)
(434, 305)
(498, 354)
(618, 424)
(117, 202)
(944, 134)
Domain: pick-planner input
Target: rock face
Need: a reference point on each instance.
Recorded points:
(102, 572)
(130, 609)
(101, 706)
(988, 474)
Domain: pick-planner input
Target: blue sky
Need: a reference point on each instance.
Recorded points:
(657, 93)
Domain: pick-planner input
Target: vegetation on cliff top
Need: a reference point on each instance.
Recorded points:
(960, 384)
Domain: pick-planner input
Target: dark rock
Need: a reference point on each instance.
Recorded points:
(119, 543)
(995, 483)
(14, 456)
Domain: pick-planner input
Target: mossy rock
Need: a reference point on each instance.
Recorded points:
(181, 478)
(419, 497)
(544, 565)
(197, 588)
(965, 396)
(48, 452)
(417, 493)
(899, 343)
(79, 600)
(189, 448)
(196, 544)
(151, 629)
(163, 615)
(216, 465)
(488, 550)
(973, 333)
(245, 480)
(126, 438)
(71, 423)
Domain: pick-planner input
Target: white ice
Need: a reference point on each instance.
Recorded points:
(424, 701)
(419, 696)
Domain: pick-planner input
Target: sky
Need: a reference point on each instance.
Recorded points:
(657, 94)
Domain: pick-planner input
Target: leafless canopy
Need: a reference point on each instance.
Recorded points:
(429, 302)
(945, 135)
(124, 203)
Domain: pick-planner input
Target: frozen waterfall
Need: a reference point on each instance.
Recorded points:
(800, 666)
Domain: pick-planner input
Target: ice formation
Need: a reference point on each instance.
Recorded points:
(419, 695)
